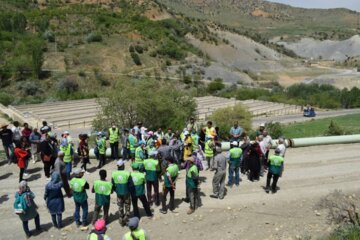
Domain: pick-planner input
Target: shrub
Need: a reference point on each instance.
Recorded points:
(131, 49)
(334, 129)
(5, 98)
(68, 85)
(93, 37)
(275, 130)
(224, 118)
(139, 49)
(49, 36)
(136, 58)
(216, 85)
(30, 88)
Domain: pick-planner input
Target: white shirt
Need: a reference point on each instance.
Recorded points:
(282, 149)
(16, 133)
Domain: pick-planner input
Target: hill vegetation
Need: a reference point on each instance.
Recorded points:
(271, 19)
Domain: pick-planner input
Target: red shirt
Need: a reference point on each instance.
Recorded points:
(20, 155)
(26, 132)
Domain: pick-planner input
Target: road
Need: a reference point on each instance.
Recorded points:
(247, 212)
(299, 118)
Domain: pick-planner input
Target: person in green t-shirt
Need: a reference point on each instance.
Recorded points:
(152, 169)
(192, 182)
(137, 190)
(170, 176)
(276, 163)
(79, 185)
(102, 189)
(120, 182)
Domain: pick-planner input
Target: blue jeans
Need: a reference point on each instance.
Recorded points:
(26, 225)
(9, 151)
(84, 207)
(68, 168)
(234, 168)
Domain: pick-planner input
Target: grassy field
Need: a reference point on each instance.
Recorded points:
(350, 124)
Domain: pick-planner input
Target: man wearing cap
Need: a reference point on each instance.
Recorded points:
(220, 175)
(169, 135)
(172, 172)
(192, 182)
(276, 163)
(152, 168)
(132, 143)
(135, 233)
(79, 185)
(261, 129)
(140, 152)
(234, 164)
(209, 151)
(102, 189)
(6, 136)
(101, 144)
(98, 232)
(120, 182)
(114, 137)
(137, 190)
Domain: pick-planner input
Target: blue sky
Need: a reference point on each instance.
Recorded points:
(351, 4)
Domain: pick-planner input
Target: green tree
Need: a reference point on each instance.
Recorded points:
(224, 118)
(36, 47)
(155, 104)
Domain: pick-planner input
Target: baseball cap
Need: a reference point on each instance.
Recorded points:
(120, 163)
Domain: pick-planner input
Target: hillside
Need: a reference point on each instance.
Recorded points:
(271, 19)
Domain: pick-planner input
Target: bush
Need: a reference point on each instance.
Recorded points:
(49, 36)
(136, 58)
(6, 99)
(224, 118)
(275, 130)
(334, 130)
(131, 49)
(93, 37)
(30, 88)
(68, 85)
(216, 85)
(139, 49)
(345, 232)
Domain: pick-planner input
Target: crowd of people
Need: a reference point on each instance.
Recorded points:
(154, 157)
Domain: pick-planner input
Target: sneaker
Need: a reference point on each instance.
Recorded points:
(78, 224)
(28, 235)
(84, 228)
(190, 211)
(185, 200)
(26, 174)
(163, 211)
(267, 189)
(214, 196)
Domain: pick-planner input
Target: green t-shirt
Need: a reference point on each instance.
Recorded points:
(172, 171)
(138, 179)
(79, 193)
(102, 192)
(276, 163)
(151, 167)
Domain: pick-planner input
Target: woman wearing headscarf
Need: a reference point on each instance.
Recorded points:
(253, 161)
(54, 199)
(25, 207)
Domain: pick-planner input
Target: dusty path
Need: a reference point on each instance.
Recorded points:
(245, 213)
(299, 118)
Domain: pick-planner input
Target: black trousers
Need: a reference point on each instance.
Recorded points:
(167, 190)
(149, 186)
(21, 174)
(275, 178)
(102, 160)
(97, 210)
(48, 165)
(114, 150)
(145, 203)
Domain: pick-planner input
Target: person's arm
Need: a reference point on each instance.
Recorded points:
(93, 190)
(86, 186)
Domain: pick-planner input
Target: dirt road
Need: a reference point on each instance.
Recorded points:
(247, 212)
(299, 118)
